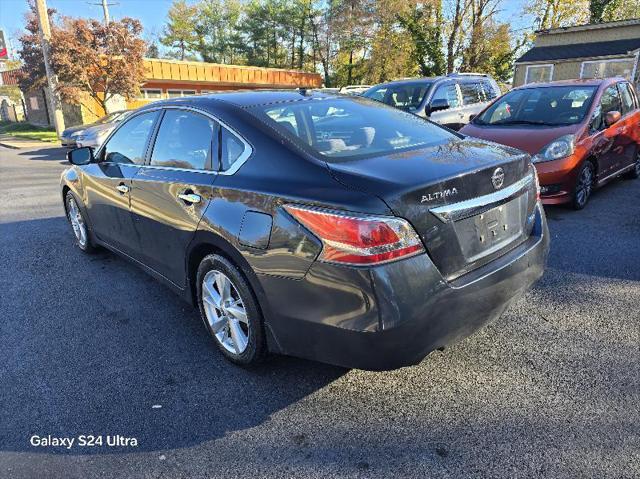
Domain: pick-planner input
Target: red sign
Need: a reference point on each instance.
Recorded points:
(3, 46)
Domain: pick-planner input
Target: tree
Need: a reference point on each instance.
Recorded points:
(454, 35)
(597, 9)
(217, 29)
(89, 58)
(423, 22)
(353, 21)
(179, 32)
(558, 13)
(98, 60)
(391, 50)
(152, 51)
(621, 10)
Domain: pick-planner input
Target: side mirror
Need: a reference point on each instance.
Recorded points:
(439, 104)
(612, 117)
(80, 156)
(472, 116)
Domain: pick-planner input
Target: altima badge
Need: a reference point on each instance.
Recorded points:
(439, 195)
(497, 178)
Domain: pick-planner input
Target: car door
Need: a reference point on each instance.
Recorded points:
(173, 189)
(453, 116)
(107, 183)
(607, 145)
(629, 125)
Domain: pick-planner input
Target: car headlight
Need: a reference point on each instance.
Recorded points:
(558, 148)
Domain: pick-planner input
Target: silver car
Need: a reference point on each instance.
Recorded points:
(450, 100)
(92, 134)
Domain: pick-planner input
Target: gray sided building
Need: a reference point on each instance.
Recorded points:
(585, 51)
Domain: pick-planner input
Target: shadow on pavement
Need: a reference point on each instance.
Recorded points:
(90, 344)
(46, 154)
(582, 241)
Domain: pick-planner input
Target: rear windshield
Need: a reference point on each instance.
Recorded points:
(348, 128)
(406, 96)
(550, 106)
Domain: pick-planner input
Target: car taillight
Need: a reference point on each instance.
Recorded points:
(537, 181)
(358, 240)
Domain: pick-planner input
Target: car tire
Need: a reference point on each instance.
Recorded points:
(230, 311)
(78, 224)
(635, 173)
(584, 185)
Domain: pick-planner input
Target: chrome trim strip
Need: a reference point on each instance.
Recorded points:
(480, 204)
(619, 172)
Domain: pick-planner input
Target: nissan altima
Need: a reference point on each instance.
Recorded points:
(315, 225)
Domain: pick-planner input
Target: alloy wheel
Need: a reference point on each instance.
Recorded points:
(225, 312)
(77, 222)
(584, 185)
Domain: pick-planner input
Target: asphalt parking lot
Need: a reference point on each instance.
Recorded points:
(92, 346)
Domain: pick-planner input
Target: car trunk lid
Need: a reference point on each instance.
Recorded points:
(470, 201)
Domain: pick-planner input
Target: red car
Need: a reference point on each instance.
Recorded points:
(580, 133)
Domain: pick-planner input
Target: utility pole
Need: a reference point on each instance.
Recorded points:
(105, 8)
(52, 80)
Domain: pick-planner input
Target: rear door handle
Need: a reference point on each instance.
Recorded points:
(124, 189)
(190, 198)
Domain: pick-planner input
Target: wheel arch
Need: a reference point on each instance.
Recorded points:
(206, 243)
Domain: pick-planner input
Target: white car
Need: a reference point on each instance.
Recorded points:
(354, 89)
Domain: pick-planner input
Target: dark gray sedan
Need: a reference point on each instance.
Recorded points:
(327, 227)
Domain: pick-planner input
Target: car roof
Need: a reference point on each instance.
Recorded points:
(453, 76)
(585, 81)
(249, 98)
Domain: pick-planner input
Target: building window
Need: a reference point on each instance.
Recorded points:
(151, 93)
(179, 93)
(33, 103)
(608, 68)
(538, 73)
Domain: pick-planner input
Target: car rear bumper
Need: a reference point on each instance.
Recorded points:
(395, 314)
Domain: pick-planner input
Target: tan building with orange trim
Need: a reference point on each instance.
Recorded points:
(171, 78)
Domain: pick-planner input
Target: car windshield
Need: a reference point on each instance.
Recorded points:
(406, 96)
(547, 106)
(349, 128)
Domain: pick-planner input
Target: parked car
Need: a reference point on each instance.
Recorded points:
(328, 227)
(581, 133)
(354, 89)
(69, 135)
(95, 135)
(448, 100)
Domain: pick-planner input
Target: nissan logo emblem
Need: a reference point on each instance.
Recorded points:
(497, 178)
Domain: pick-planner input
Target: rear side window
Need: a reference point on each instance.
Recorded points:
(626, 97)
(128, 144)
(490, 92)
(231, 149)
(471, 93)
(449, 93)
(185, 140)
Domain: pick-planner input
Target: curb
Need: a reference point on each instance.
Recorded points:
(9, 145)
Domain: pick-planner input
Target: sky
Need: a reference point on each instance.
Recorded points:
(153, 13)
